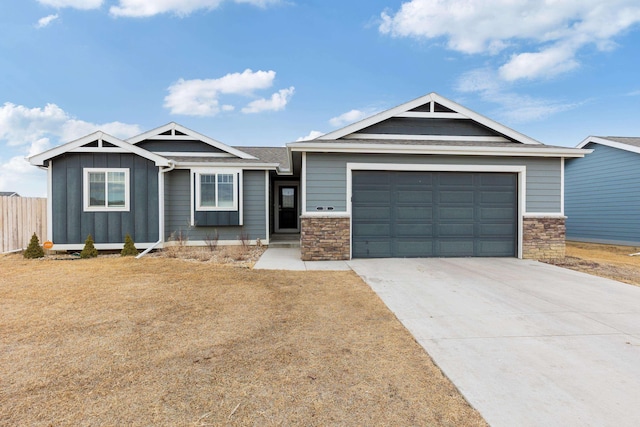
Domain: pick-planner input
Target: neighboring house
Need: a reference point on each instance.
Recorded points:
(427, 178)
(602, 192)
(9, 194)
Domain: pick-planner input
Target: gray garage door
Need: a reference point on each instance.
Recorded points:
(434, 214)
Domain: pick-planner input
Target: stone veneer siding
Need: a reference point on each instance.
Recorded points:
(543, 238)
(325, 238)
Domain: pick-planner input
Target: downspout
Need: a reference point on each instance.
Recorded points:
(169, 168)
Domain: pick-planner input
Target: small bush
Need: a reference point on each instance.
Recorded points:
(89, 251)
(34, 250)
(129, 247)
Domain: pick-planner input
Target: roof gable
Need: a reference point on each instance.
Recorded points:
(631, 144)
(429, 118)
(97, 142)
(191, 143)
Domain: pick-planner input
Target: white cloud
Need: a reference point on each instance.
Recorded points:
(20, 125)
(555, 31)
(277, 102)
(347, 118)
(43, 22)
(27, 131)
(312, 135)
(76, 4)
(201, 97)
(143, 8)
(513, 107)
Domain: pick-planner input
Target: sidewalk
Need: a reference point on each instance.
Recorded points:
(289, 259)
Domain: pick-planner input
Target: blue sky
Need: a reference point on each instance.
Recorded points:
(268, 72)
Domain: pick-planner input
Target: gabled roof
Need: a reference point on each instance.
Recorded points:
(9, 194)
(430, 106)
(97, 142)
(431, 124)
(174, 131)
(621, 142)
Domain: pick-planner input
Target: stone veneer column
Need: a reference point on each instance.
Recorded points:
(325, 237)
(543, 237)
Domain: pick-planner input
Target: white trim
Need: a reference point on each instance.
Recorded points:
(609, 143)
(404, 137)
(240, 192)
(161, 206)
(98, 150)
(429, 98)
(431, 115)
(326, 214)
(276, 206)
(517, 151)
(562, 185)
(86, 188)
(245, 166)
(99, 246)
(544, 215)
(520, 170)
(303, 183)
(172, 126)
(50, 201)
(267, 201)
(236, 173)
(193, 154)
(39, 159)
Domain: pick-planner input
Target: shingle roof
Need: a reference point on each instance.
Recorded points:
(635, 141)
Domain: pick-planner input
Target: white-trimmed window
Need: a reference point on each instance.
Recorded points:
(106, 189)
(216, 190)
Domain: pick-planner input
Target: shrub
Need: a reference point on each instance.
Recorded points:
(89, 251)
(34, 250)
(129, 248)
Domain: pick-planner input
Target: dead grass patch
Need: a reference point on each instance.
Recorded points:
(158, 341)
(610, 261)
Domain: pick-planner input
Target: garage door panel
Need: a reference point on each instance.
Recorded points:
(456, 197)
(455, 213)
(455, 248)
(455, 230)
(414, 196)
(414, 230)
(422, 213)
(434, 214)
(496, 213)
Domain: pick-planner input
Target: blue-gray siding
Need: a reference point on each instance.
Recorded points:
(177, 146)
(419, 126)
(178, 211)
(71, 224)
(326, 184)
(602, 196)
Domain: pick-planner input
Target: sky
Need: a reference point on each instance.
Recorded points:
(269, 72)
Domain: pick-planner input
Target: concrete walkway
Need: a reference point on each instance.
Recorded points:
(527, 344)
(289, 259)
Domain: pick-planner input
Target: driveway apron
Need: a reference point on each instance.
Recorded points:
(526, 343)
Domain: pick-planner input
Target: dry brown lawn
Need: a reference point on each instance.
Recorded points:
(159, 341)
(610, 261)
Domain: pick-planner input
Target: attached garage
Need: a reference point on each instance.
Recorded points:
(434, 214)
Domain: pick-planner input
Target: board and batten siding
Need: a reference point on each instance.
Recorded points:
(326, 175)
(178, 212)
(71, 224)
(602, 196)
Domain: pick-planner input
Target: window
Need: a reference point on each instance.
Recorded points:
(106, 189)
(217, 191)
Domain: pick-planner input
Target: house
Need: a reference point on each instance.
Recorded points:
(602, 192)
(9, 194)
(427, 178)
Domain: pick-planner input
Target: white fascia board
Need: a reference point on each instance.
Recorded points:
(521, 151)
(608, 143)
(491, 124)
(244, 166)
(152, 134)
(39, 159)
(354, 127)
(391, 137)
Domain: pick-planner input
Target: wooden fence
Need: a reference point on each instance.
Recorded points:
(20, 217)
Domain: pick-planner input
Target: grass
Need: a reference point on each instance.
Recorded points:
(610, 261)
(158, 341)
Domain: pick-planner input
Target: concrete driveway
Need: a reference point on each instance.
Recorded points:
(526, 343)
